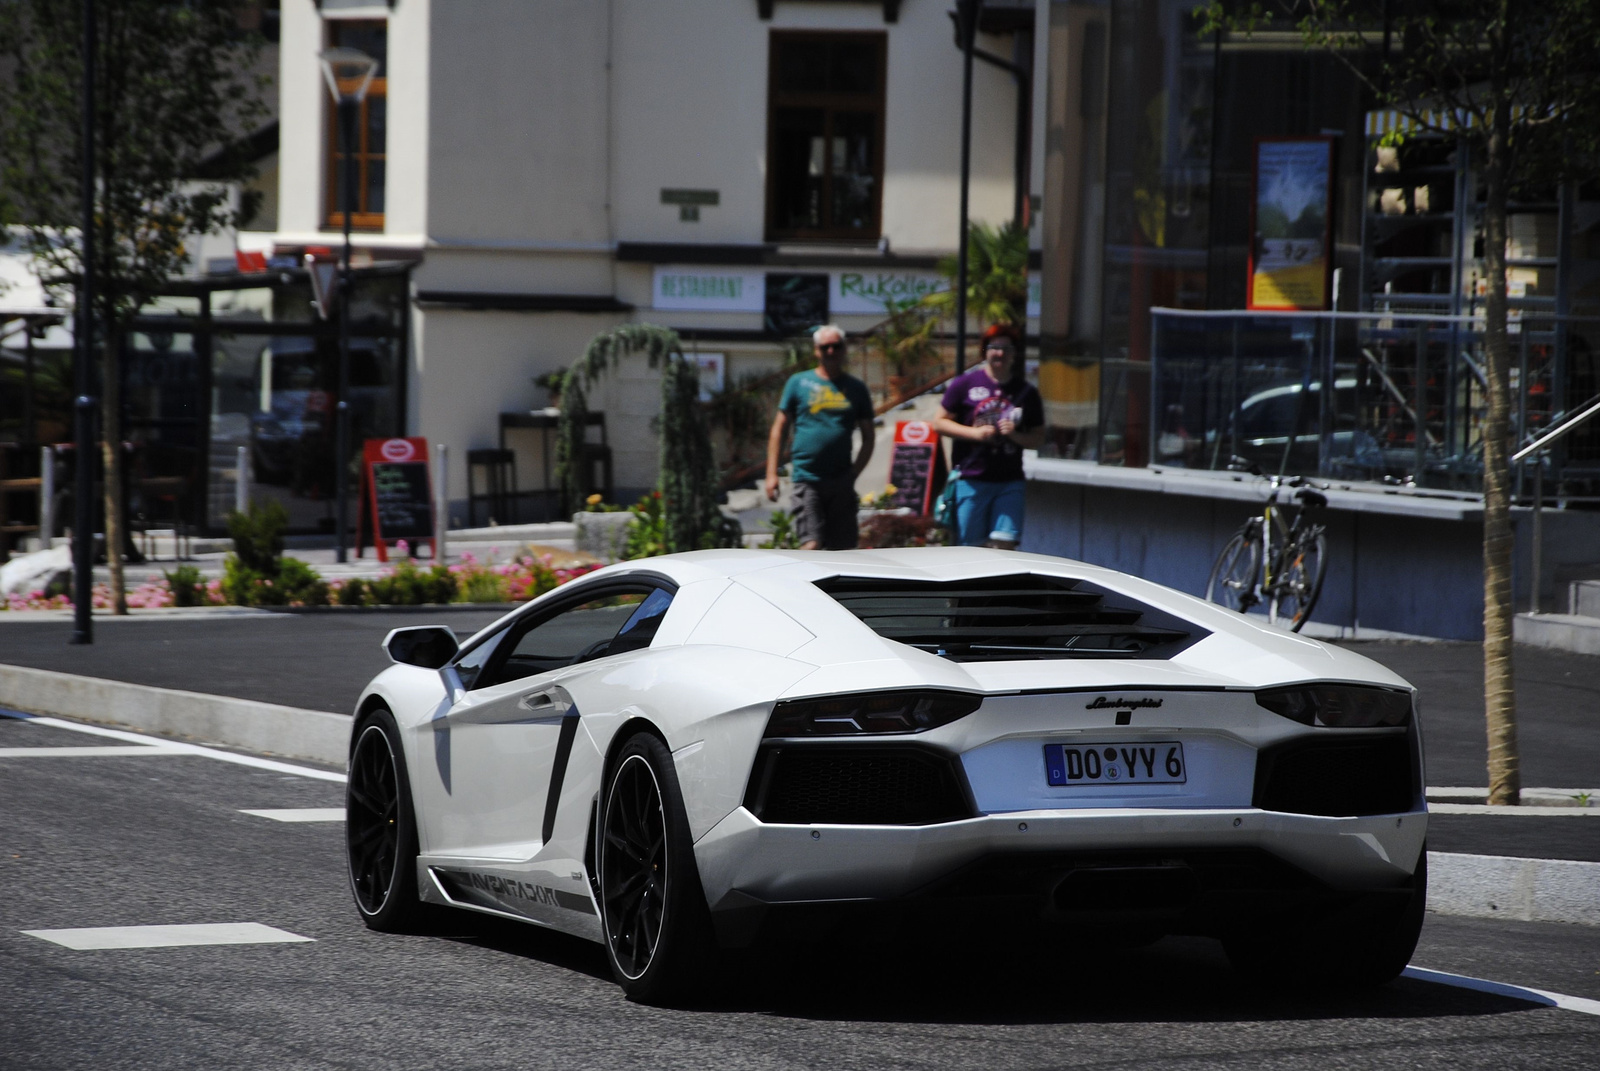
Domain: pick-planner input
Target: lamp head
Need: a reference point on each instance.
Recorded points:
(348, 72)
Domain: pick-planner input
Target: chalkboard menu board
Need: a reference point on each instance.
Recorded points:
(399, 496)
(916, 465)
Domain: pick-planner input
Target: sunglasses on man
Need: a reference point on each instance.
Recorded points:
(830, 347)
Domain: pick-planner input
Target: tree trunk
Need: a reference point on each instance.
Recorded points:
(1500, 710)
(111, 447)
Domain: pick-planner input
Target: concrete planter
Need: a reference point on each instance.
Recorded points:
(605, 535)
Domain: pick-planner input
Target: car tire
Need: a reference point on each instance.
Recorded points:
(1363, 946)
(381, 828)
(657, 927)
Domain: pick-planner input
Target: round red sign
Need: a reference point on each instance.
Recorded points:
(397, 450)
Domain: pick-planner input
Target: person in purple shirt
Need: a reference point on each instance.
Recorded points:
(992, 414)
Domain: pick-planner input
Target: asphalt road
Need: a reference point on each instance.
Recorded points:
(321, 661)
(92, 840)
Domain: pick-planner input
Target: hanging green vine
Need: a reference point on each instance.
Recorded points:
(688, 469)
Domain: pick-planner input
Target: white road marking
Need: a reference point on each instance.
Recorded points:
(226, 933)
(301, 814)
(82, 752)
(174, 747)
(1501, 989)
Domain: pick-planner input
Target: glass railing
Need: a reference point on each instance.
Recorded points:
(1392, 398)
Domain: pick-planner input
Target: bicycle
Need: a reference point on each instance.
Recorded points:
(1272, 561)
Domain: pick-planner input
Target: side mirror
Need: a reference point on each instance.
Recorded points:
(428, 646)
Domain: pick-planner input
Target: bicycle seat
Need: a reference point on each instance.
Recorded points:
(1308, 497)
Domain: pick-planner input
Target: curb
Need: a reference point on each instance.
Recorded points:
(266, 727)
(1474, 886)
(1529, 890)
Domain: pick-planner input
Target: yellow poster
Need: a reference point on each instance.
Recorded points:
(1290, 240)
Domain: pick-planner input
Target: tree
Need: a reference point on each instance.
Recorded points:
(688, 468)
(173, 96)
(1519, 85)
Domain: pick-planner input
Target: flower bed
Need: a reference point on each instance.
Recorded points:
(406, 583)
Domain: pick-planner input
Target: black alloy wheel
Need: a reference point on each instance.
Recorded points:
(653, 910)
(635, 866)
(380, 828)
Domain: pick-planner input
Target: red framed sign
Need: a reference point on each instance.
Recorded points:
(916, 465)
(397, 494)
(1291, 225)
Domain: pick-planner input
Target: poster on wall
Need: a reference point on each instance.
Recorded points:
(1290, 224)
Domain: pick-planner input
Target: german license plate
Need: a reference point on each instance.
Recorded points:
(1144, 763)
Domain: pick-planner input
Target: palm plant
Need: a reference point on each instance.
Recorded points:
(997, 275)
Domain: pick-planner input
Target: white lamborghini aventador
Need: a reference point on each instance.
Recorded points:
(684, 753)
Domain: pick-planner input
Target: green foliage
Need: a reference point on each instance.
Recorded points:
(174, 94)
(300, 584)
(784, 536)
(997, 275)
(186, 582)
(482, 586)
(688, 468)
(410, 585)
(353, 592)
(257, 536)
(905, 338)
(647, 535)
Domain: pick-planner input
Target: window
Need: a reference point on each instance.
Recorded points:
(825, 135)
(371, 139)
(619, 621)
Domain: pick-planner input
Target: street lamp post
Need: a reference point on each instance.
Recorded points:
(83, 375)
(967, 12)
(348, 72)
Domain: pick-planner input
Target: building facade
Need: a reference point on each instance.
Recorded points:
(735, 169)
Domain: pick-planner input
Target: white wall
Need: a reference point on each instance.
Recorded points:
(690, 84)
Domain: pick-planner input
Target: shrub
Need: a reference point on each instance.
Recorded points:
(257, 536)
(647, 535)
(187, 585)
(784, 536)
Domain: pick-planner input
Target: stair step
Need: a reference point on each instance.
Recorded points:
(1577, 633)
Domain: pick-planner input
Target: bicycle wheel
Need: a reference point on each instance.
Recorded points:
(1300, 581)
(1233, 577)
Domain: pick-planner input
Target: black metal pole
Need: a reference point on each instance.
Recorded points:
(968, 25)
(84, 405)
(347, 196)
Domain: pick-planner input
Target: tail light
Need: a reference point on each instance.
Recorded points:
(1339, 706)
(869, 713)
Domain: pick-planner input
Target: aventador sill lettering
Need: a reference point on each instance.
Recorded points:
(490, 890)
(1102, 703)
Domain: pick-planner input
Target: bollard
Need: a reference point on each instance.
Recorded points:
(47, 497)
(441, 504)
(241, 487)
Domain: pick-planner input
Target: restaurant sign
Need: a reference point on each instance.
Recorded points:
(871, 291)
(709, 289)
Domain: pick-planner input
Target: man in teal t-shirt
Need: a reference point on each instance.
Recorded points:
(825, 405)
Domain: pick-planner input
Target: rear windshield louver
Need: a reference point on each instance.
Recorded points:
(1011, 618)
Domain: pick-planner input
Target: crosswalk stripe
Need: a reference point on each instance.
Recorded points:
(225, 933)
(86, 752)
(301, 814)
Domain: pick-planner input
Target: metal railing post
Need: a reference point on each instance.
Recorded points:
(47, 497)
(441, 505)
(241, 485)
(1421, 404)
(1538, 529)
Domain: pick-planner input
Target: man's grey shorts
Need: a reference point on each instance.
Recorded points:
(825, 513)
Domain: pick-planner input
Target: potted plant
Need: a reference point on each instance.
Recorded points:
(552, 383)
(905, 342)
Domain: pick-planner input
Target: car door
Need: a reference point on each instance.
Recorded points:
(497, 745)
